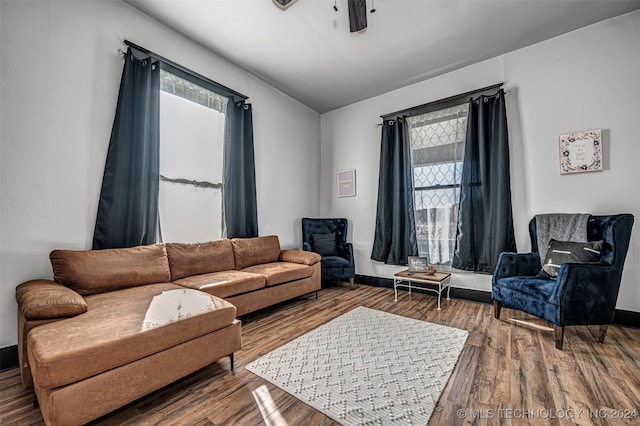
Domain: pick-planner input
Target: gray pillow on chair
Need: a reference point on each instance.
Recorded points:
(324, 244)
(560, 252)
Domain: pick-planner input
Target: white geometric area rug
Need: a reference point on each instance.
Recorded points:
(367, 367)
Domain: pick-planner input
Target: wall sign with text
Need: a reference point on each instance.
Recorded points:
(581, 151)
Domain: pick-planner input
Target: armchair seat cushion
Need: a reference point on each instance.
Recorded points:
(532, 286)
(533, 295)
(334, 262)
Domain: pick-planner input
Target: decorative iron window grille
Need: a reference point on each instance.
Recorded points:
(175, 85)
(437, 152)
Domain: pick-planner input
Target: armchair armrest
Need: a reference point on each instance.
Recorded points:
(349, 253)
(45, 299)
(517, 264)
(587, 293)
(299, 256)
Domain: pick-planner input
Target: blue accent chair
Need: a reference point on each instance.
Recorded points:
(340, 266)
(582, 294)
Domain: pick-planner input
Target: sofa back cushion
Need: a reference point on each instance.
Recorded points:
(98, 271)
(186, 260)
(255, 251)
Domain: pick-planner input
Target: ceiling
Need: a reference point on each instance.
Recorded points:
(307, 51)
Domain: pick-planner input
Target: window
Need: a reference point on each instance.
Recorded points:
(437, 151)
(192, 124)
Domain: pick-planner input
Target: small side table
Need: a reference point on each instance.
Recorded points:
(408, 280)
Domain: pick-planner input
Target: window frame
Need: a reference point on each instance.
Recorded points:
(204, 99)
(451, 101)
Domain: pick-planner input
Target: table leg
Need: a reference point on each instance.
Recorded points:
(448, 288)
(439, 294)
(395, 288)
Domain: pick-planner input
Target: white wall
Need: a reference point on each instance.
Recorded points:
(59, 84)
(579, 81)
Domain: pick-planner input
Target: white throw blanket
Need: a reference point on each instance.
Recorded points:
(561, 227)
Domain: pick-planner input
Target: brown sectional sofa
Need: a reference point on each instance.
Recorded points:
(117, 324)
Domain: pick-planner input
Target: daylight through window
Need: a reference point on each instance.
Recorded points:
(192, 124)
(437, 153)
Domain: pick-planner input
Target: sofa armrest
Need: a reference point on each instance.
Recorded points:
(45, 299)
(517, 264)
(298, 256)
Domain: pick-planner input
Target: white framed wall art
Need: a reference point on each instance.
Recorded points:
(581, 152)
(346, 183)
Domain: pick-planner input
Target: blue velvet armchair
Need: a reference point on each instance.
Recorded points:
(581, 294)
(328, 237)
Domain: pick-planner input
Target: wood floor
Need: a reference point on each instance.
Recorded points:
(508, 373)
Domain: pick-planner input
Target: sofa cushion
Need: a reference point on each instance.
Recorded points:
(148, 320)
(254, 251)
(43, 299)
(97, 271)
(199, 258)
(224, 283)
(280, 272)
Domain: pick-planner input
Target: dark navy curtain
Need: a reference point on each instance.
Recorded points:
(395, 233)
(128, 207)
(240, 204)
(485, 221)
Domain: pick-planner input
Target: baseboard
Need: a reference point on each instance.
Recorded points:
(456, 293)
(8, 357)
(623, 318)
(627, 318)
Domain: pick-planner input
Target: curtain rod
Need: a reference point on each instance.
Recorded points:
(441, 104)
(186, 70)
